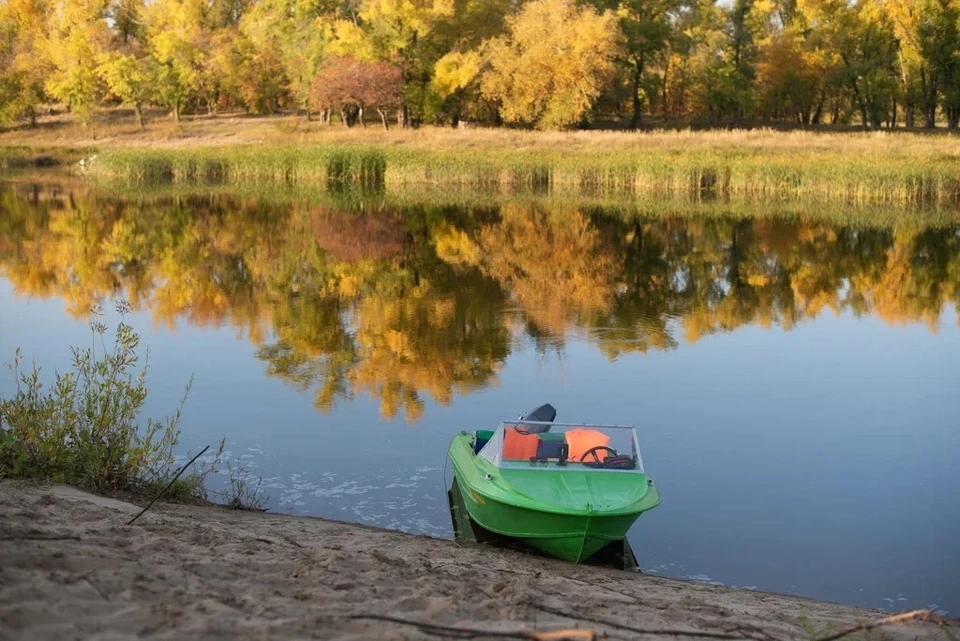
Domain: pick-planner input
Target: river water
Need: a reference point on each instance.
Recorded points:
(795, 383)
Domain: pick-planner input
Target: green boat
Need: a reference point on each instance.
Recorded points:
(567, 489)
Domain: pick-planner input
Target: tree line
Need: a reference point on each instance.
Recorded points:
(551, 64)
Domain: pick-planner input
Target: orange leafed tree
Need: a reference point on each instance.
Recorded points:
(347, 84)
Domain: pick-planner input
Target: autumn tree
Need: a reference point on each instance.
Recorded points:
(647, 29)
(77, 37)
(131, 78)
(293, 34)
(553, 63)
(939, 40)
(869, 60)
(347, 84)
(797, 70)
(23, 68)
(175, 37)
(401, 33)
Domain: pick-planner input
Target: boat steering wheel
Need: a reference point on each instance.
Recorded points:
(593, 450)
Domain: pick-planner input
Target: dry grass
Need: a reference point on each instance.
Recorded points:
(117, 129)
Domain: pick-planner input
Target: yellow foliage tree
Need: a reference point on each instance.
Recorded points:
(553, 63)
(78, 36)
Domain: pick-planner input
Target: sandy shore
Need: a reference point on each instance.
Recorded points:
(71, 569)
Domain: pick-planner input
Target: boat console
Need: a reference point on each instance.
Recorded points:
(538, 444)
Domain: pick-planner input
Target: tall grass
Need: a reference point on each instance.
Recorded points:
(689, 168)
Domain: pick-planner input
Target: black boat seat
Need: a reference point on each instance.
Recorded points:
(544, 414)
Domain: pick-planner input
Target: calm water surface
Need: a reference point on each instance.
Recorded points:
(795, 384)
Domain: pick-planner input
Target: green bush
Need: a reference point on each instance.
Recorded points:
(84, 429)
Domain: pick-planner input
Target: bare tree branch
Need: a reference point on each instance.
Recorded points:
(913, 615)
(477, 633)
(654, 631)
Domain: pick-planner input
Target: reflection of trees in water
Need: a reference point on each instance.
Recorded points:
(404, 305)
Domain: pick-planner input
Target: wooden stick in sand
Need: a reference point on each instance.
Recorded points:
(169, 485)
(913, 615)
(477, 633)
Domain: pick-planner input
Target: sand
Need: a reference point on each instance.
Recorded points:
(71, 569)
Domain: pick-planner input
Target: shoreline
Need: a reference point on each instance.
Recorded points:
(885, 168)
(70, 565)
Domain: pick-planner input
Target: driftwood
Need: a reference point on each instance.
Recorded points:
(169, 485)
(760, 635)
(914, 615)
(477, 633)
(655, 631)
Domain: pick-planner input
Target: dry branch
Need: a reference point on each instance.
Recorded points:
(914, 615)
(654, 631)
(476, 633)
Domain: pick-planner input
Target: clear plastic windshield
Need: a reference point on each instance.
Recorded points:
(564, 446)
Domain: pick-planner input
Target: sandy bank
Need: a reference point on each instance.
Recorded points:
(71, 568)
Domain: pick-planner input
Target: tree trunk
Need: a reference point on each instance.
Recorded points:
(637, 104)
(139, 109)
(908, 115)
(343, 117)
(928, 91)
(818, 112)
(33, 116)
(383, 117)
(864, 119)
(176, 112)
(360, 117)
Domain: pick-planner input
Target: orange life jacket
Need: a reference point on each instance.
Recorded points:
(581, 440)
(518, 446)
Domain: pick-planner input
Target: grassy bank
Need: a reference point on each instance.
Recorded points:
(896, 168)
(893, 169)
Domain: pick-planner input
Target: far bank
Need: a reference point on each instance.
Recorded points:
(894, 168)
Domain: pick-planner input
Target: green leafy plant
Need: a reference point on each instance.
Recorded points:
(84, 429)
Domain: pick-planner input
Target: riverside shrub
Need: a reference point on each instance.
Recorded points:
(84, 429)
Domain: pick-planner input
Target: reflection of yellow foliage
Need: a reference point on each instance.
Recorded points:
(556, 267)
(455, 246)
(427, 316)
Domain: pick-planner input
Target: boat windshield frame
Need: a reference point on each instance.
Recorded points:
(492, 451)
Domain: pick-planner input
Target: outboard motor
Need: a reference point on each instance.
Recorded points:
(545, 414)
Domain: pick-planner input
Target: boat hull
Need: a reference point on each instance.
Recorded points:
(566, 513)
(571, 537)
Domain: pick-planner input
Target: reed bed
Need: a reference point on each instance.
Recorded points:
(672, 166)
(358, 198)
